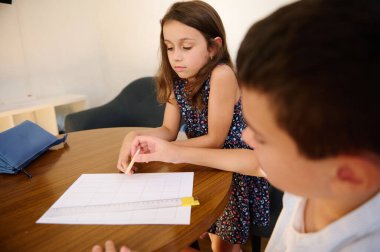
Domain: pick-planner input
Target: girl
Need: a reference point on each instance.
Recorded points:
(197, 83)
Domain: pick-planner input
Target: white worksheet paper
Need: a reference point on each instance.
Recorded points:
(96, 189)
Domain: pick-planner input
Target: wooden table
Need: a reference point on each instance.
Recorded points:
(23, 200)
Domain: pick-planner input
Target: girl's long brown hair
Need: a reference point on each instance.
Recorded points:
(205, 19)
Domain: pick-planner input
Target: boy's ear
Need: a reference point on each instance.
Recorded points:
(356, 174)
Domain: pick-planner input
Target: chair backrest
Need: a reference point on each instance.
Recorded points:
(135, 106)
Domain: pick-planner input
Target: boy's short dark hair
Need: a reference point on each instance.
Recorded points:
(318, 63)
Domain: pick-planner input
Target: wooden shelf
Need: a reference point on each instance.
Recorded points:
(43, 111)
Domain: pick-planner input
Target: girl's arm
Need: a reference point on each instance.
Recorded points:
(168, 131)
(224, 93)
(242, 161)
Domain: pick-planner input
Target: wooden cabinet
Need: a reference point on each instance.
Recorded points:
(43, 111)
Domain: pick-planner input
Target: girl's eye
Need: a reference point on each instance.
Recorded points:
(187, 47)
(169, 48)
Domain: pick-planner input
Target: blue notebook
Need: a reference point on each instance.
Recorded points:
(20, 145)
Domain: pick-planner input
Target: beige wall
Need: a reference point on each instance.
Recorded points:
(94, 47)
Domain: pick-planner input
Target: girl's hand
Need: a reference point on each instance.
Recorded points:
(154, 149)
(125, 152)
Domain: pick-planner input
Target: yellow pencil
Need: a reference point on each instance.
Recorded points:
(132, 162)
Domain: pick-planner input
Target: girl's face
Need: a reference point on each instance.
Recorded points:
(186, 48)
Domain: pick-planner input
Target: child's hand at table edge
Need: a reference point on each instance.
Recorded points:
(109, 246)
(154, 149)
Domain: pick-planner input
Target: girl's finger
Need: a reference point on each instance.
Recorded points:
(134, 170)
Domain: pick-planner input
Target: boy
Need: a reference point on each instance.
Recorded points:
(309, 76)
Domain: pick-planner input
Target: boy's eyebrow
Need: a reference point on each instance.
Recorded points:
(251, 126)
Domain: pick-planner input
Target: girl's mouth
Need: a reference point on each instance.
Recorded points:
(179, 68)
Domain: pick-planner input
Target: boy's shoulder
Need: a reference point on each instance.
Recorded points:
(359, 230)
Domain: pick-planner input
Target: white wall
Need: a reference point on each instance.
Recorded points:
(94, 47)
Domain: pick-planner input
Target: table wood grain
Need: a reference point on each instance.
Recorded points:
(23, 201)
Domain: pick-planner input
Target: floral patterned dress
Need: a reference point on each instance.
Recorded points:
(249, 200)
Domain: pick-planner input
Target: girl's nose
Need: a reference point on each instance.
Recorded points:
(177, 55)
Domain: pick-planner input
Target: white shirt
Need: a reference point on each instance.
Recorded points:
(358, 230)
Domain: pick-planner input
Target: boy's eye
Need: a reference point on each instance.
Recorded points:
(258, 139)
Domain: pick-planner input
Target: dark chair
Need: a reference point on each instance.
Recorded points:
(275, 207)
(135, 106)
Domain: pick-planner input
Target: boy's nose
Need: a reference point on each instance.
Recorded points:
(248, 137)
